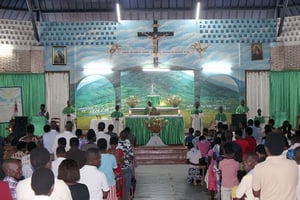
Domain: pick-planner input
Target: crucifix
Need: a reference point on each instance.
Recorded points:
(155, 35)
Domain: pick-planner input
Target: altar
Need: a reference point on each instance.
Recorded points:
(171, 134)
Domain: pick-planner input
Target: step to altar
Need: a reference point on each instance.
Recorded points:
(170, 154)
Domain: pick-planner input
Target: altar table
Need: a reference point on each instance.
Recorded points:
(173, 133)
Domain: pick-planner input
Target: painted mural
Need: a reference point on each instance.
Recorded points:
(211, 71)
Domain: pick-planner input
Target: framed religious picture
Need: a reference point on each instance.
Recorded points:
(256, 51)
(59, 55)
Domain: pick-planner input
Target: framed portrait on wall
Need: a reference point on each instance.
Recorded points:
(256, 51)
(59, 55)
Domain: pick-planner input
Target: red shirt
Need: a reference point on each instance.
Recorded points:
(244, 145)
(5, 191)
(251, 144)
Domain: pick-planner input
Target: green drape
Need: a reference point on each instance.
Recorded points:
(33, 93)
(285, 96)
(171, 134)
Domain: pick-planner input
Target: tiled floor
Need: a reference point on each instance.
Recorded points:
(166, 182)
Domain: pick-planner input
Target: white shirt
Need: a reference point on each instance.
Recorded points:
(95, 180)
(298, 185)
(41, 197)
(60, 191)
(245, 187)
(48, 140)
(55, 165)
(101, 134)
(193, 155)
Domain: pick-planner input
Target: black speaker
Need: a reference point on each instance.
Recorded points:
(20, 126)
(236, 119)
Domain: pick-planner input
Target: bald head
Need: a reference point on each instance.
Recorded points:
(12, 168)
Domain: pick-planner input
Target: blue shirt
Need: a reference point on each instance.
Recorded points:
(108, 164)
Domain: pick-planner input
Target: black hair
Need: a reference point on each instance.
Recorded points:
(248, 130)
(260, 149)
(271, 121)
(74, 142)
(21, 145)
(256, 123)
(250, 122)
(46, 128)
(113, 141)
(39, 157)
(78, 132)
(60, 150)
(102, 144)
(228, 148)
(41, 181)
(62, 142)
(90, 134)
(275, 143)
(30, 146)
(190, 145)
(101, 126)
(110, 127)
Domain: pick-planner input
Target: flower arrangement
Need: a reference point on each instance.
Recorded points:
(174, 100)
(132, 101)
(155, 125)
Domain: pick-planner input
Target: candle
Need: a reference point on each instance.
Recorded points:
(129, 112)
(178, 112)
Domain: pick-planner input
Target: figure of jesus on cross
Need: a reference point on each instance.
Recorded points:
(155, 35)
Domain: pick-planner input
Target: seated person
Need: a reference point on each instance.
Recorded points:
(149, 109)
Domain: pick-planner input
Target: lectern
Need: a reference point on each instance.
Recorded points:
(236, 119)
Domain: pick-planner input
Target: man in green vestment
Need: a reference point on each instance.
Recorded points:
(116, 117)
(69, 109)
(149, 109)
(220, 116)
(259, 117)
(242, 109)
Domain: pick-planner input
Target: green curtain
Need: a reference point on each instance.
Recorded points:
(284, 96)
(33, 93)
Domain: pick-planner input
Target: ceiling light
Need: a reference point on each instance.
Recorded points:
(118, 12)
(198, 11)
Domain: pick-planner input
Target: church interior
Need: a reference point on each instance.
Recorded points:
(87, 56)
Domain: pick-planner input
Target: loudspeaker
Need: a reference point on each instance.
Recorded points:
(20, 126)
(236, 119)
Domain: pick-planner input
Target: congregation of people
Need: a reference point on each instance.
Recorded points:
(68, 165)
(253, 161)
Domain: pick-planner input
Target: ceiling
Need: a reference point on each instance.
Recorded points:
(97, 10)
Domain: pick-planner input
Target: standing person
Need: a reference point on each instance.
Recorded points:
(5, 192)
(220, 116)
(42, 183)
(125, 145)
(193, 157)
(75, 153)
(68, 110)
(119, 154)
(229, 168)
(69, 114)
(13, 172)
(110, 132)
(276, 177)
(196, 115)
(68, 171)
(108, 167)
(91, 137)
(43, 111)
(40, 158)
(250, 139)
(102, 134)
(117, 116)
(189, 138)
(81, 138)
(60, 156)
(94, 179)
(242, 108)
(259, 117)
(49, 137)
(245, 186)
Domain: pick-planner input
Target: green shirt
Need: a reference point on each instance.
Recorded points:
(148, 110)
(116, 114)
(241, 109)
(68, 110)
(261, 119)
(196, 111)
(220, 117)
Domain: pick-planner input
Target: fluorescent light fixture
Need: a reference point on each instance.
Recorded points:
(217, 68)
(97, 68)
(118, 12)
(155, 70)
(198, 11)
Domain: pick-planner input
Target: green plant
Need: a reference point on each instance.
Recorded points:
(132, 101)
(174, 100)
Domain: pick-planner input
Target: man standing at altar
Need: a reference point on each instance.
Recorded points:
(69, 114)
(242, 108)
(149, 109)
(196, 116)
(220, 116)
(116, 117)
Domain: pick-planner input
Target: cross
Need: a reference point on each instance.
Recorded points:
(155, 35)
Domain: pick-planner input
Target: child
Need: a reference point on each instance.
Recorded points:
(193, 157)
(245, 187)
(42, 183)
(229, 168)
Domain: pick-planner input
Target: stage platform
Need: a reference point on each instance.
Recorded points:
(170, 154)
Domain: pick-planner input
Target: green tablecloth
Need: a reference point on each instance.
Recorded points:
(172, 134)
